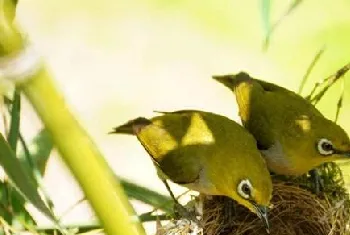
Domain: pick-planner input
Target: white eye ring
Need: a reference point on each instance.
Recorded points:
(325, 147)
(244, 188)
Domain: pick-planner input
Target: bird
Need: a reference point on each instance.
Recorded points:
(208, 153)
(293, 136)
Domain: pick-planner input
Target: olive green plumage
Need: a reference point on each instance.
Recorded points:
(292, 134)
(205, 152)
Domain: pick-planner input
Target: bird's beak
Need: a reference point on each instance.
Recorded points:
(261, 211)
(345, 154)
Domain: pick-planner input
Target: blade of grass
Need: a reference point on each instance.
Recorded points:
(292, 7)
(25, 157)
(328, 83)
(340, 101)
(19, 176)
(148, 196)
(265, 13)
(142, 194)
(31, 163)
(15, 121)
(38, 151)
(314, 89)
(3, 112)
(310, 68)
(15, 201)
(5, 210)
(20, 216)
(146, 217)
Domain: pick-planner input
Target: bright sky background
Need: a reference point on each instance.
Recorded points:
(115, 60)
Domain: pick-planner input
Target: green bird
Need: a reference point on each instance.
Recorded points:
(293, 136)
(207, 153)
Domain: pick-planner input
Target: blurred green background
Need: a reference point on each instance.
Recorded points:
(117, 59)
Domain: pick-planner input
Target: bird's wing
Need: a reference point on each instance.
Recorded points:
(162, 138)
(253, 110)
(269, 111)
(181, 164)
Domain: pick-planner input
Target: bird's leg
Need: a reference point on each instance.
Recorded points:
(317, 181)
(169, 190)
(180, 210)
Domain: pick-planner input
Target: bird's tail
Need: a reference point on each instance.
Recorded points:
(235, 81)
(132, 127)
(232, 81)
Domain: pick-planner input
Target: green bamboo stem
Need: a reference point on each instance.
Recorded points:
(85, 161)
(83, 158)
(11, 40)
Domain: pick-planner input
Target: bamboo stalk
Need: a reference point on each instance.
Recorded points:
(81, 155)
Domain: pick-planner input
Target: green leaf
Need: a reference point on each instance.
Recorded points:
(15, 120)
(89, 227)
(34, 158)
(34, 163)
(5, 208)
(11, 200)
(292, 7)
(36, 154)
(148, 196)
(265, 12)
(20, 217)
(309, 69)
(23, 180)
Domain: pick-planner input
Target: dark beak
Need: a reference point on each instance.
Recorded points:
(262, 214)
(345, 154)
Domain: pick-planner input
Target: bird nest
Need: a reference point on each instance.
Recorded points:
(296, 209)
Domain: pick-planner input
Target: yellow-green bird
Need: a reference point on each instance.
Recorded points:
(207, 153)
(293, 136)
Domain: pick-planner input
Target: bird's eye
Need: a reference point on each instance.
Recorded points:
(244, 188)
(325, 147)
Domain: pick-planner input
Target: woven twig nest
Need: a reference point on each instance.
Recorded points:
(296, 210)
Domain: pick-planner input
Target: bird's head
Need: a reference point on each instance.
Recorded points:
(250, 185)
(318, 141)
(330, 142)
(255, 195)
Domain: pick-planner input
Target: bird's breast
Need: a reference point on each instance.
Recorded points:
(277, 161)
(203, 185)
